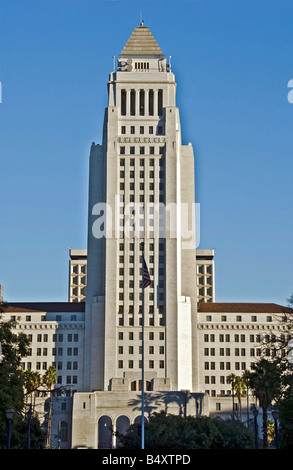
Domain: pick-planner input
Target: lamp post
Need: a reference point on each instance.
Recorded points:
(255, 414)
(276, 414)
(9, 416)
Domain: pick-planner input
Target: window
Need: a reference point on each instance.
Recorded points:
(141, 102)
(123, 129)
(151, 102)
(123, 102)
(160, 102)
(132, 103)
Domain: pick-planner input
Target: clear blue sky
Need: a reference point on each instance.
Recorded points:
(232, 61)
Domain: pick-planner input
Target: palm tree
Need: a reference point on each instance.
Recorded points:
(239, 387)
(232, 379)
(246, 376)
(49, 379)
(32, 381)
(265, 381)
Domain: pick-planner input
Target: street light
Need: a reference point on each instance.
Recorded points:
(255, 414)
(9, 417)
(276, 414)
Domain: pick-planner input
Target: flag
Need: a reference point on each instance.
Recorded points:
(146, 280)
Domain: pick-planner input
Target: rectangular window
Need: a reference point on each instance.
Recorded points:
(151, 103)
(132, 102)
(141, 102)
(123, 102)
(160, 102)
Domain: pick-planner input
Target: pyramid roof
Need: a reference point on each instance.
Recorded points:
(141, 43)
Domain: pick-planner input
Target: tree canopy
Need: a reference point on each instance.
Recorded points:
(163, 432)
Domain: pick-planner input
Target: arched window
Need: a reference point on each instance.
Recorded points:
(105, 433)
(122, 425)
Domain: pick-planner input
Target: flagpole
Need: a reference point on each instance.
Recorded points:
(142, 360)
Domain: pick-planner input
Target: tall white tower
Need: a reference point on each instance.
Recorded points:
(141, 188)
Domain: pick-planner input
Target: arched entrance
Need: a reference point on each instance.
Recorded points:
(105, 432)
(122, 425)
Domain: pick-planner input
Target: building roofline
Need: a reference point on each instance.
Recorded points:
(60, 307)
(241, 307)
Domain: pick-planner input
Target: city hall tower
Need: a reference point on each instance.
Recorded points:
(141, 189)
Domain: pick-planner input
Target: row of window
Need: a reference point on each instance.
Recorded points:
(45, 365)
(131, 309)
(243, 338)
(78, 280)
(54, 352)
(150, 364)
(69, 379)
(202, 280)
(150, 260)
(151, 350)
(60, 337)
(151, 246)
(142, 130)
(151, 271)
(141, 102)
(202, 269)
(28, 318)
(253, 318)
(142, 150)
(151, 296)
(78, 269)
(227, 338)
(141, 161)
(211, 379)
(227, 352)
(131, 335)
(149, 321)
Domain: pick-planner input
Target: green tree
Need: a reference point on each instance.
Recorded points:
(12, 386)
(240, 388)
(13, 347)
(49, 380)
(32, 380)
(163, 432)
(232, 380)
(245, 377)
(265, 381)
